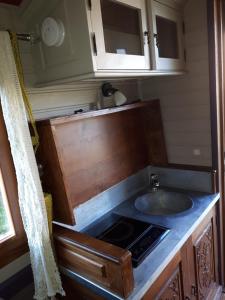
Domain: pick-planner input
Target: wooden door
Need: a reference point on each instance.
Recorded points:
(205, 251)
(120, 30)
(169, 285)
(204, 262)
(166, 26)
(173, 288)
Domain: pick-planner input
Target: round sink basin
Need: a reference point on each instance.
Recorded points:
(163, 203)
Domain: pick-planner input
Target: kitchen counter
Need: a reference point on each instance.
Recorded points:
(181, 227)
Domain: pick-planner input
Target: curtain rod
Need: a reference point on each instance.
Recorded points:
(24, 37)
(27, 37)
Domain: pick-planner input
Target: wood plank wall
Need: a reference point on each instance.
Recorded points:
(185, 100)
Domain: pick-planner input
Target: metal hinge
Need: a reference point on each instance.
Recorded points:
(94, 44)
(194, 290)
(89, 4)
(183, 28)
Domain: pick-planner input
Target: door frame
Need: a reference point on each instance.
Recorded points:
(216, 26)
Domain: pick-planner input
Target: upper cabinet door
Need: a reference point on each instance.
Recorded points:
(167, 33)
(121, 37)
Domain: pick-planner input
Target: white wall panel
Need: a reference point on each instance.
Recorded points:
(185, 100)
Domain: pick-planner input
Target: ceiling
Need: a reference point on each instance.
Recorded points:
(12, 2)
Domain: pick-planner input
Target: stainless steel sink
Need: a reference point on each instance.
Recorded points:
(163, 203)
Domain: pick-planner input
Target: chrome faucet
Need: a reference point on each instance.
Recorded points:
(155, 182)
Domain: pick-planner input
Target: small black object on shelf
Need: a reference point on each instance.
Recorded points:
(78, 111)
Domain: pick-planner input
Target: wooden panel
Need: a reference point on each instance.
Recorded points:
(102, 263)
(173, 289)
(188, 270)
(185, 105)
(53, 178)
(81, 263)
(204, 262)
(86, 154)
(169, 277)
(74, 290)
(205, 250)
(154, 134)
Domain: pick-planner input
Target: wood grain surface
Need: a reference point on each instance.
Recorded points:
(84, 155)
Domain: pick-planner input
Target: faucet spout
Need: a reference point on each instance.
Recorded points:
(155, 183)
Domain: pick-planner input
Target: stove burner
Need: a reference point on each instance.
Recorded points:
(137, 236)
(125, 232)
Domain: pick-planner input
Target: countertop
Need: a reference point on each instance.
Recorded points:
(181, 227)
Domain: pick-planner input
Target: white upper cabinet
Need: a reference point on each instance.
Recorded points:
(166, 27)
(87, 39)
(121, 37)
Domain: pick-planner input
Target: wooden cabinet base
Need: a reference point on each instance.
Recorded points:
(193, 272)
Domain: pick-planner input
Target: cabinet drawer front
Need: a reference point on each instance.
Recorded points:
(101, 263)
(83, 264)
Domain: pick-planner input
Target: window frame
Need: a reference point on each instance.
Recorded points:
(16, 245)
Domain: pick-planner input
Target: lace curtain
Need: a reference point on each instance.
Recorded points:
(31, 199)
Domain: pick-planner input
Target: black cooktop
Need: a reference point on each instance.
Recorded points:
(137, 236)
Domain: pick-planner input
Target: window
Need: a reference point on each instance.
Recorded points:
(6, 224)
(12, 236)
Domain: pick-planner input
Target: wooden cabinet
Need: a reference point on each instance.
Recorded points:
(193, 272)
(120, 30)
(105, 39)
(167, 34)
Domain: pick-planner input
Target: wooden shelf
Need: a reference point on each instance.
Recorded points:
(96, 113)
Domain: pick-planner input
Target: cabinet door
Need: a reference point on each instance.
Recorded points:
(173, 289)
(167, 33)
(169, 284)
(120, 31)
(204, 262)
